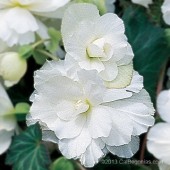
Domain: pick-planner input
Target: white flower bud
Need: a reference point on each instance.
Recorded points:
(12, 67)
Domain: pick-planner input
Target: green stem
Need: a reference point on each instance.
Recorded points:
(80, 166)
(47, 54)
(39, 43)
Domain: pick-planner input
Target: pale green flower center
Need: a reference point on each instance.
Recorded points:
(16, 3)
(99, 48)
(84, 105)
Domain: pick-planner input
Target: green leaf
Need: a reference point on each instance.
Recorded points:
(25, 51)
(155, 11)
(55, 38)
(149, 45)
(140, 167)
(62, 164)
(167, 33)
(39, 57)
(27, 152)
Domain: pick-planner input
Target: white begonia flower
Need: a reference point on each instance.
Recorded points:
(19, 19)
(166, 11)
(7, 121)
(144, 3)
(73, 104)
(98, 42)
(158, 137)
(12, 68)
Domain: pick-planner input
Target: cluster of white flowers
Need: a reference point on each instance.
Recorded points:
(20, 23)
(7, 121)
(93, 102)
(158, 137)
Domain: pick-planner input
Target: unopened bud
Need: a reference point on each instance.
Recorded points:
(12, 67)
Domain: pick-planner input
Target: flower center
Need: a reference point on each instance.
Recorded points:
(16, 3)
(99, 49)
(83, 105)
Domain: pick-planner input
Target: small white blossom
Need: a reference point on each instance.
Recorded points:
(166, 11)
(158, 137)
(12, 67)
(19, 19)
(7, 121)
(74, 104)
(144, 3)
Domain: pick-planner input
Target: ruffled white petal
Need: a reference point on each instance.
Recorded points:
(69, 129)
(74, 15)
(127, 150)
(61, 92)
(110, 72)
(135, 86)
(163, 105)
(73, 148)
(99, 122)
(67, 110)
(93, 153)
(109, 23)
(123, 78)
(121, 131)
(41, 6)
(138, 112)
(48, 135)
(20, 20)
(159, 141)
